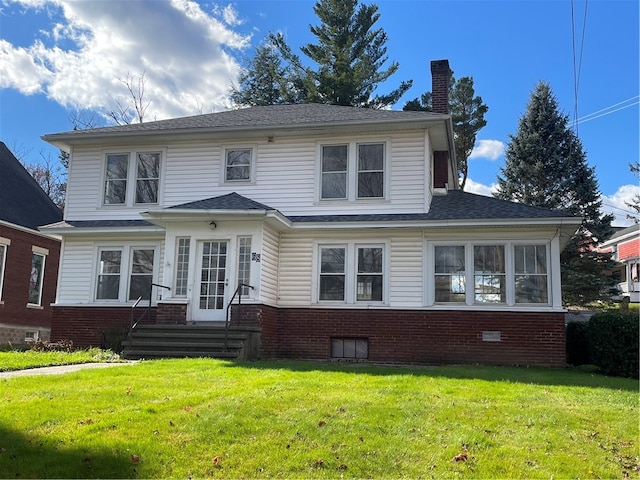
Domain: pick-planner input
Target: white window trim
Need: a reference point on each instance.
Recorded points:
(42, 252)
(469, 274)
(352, 170)
(132, 177)
(4, 242)
(252, 171)
(350, 272)
(176, 263)
(125, 270)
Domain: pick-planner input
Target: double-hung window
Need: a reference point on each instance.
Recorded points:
(489, 272)
(132, 178)
(4, 245)
(508, 273)
(125, 273)
(531, 273)
(351, 273)
(238, 166)
(352, 171)
(36, 276)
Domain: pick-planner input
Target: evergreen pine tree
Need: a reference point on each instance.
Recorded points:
(467, 114)
(349, 57)
(546, 166)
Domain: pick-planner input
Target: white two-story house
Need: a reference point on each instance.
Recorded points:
(346, 223)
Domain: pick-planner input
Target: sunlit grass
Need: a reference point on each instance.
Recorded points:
(208, 418)
(19, 360)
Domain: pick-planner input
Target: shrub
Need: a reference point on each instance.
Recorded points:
(613, 339)
(578, 344)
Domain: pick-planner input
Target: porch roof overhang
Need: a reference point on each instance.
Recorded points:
(100, 227)
(163, 217)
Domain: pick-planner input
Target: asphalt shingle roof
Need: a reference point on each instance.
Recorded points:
(22, 201)
(455, 205)
(288, 115)
(231, 201)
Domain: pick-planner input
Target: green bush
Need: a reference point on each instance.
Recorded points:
(614, 343)
(578, 344)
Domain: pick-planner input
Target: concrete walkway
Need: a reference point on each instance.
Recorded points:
(59, 370)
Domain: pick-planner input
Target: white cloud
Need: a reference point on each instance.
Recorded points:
(182, 51)
(616, 204)
(480, 189)
(489, 149)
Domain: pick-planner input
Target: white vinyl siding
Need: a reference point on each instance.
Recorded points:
(78, 267)
(286, 176)
(269, 261)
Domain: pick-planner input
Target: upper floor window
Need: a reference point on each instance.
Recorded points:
(147, 177)
(352, 171)
(238, 164)
(126, 184)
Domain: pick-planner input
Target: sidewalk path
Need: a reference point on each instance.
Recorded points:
(58, 370)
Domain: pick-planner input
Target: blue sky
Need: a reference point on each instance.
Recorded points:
(59, 59)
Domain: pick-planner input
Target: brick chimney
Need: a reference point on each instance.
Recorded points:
(440, 76)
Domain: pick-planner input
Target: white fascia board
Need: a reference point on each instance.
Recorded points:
(38, 233)
(547, 222)
(70, 230)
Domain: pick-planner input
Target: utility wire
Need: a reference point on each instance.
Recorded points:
(608, 110)
(577, 68)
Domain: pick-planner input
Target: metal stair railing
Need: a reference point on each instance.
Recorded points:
(237, 293)
(147, 311)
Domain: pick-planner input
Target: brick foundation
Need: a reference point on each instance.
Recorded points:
(394, 336)
(413, 336)
(88, 326)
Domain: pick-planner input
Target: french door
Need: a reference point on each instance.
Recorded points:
(212, 281)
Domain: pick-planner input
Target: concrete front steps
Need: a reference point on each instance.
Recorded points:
(175, 341)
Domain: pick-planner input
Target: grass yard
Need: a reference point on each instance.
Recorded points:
(20, 360)
(214, 419)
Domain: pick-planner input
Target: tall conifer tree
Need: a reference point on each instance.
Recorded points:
(349, 63)
(546, 166)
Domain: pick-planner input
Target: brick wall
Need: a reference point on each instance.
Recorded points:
(13, 309)
(440, 169)
(86, 326)
(394, 336)
(414, 336)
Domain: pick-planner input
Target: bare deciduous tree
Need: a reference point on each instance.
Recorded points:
(125, 113)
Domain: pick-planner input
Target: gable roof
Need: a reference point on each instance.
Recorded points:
(22, 201)
(231, 201)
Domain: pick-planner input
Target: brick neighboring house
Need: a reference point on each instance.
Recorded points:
(625, 247)
(347, 223)
(28, 258)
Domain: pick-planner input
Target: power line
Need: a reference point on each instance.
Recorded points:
(608, 110)
(577, 69)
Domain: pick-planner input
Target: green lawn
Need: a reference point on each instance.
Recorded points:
(19, 360)
(215, 419)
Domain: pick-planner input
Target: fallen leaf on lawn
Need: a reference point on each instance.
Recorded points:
(88, 421)
(342, 467)
(322, 423)
(187, 408)
(461, 457)
(135, 458)
(216, 461)
(129, 390)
